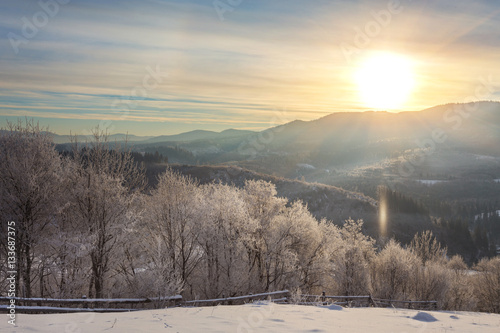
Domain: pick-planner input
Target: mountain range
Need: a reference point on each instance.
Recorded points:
(445, 159)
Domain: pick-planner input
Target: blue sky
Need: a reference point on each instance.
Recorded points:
(158, 67)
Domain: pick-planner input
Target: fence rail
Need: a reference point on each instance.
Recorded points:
(52, 305)
(357, 301)
(61, 305)
(239, 299)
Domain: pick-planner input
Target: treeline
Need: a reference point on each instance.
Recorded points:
(175, 154)
(399, 203)
(86, 225)
(469, 209)
(466, 231)
(149, 157)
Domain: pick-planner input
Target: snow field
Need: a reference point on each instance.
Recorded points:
(260, 317)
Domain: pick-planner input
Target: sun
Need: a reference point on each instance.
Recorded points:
(385, 81)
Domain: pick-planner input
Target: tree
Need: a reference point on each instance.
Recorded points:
(29, 189)
(104, 180)
(263, 207)
(226, 232)
(460, 294)
(487, 285)
(308, 242)
(427, 248)
(392, 270)
(351, 261)
(172, 228)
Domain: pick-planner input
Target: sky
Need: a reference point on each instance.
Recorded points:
(156, 67)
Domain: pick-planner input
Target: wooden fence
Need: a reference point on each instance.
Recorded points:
(50, 305)
(366, 301)
(54, 305)
(285, 294)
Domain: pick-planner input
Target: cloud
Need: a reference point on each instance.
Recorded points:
(264, 54)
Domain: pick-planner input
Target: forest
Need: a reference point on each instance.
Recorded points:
(86, 223)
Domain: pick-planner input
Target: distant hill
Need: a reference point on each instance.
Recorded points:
(113, 137)
(198, 135)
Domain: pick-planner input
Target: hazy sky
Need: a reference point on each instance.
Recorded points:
(156, 67)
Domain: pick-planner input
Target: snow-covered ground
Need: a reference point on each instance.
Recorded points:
(260, 317)
(431, 182)
(482, 215)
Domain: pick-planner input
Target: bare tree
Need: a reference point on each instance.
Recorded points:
(392, 270)
(103, 181)
(263, 206)
(29, 185)
(427, 248)
(487, 285)
(171, 228)
(226, 229)
(460, 293)
(351, 262)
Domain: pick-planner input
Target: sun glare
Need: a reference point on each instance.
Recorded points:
(385, 81)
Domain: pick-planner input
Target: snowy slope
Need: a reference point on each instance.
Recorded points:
(260, 317)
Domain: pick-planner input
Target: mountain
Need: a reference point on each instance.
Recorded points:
(196, 135)
(199, 135)
(120, 137)
(445, 160)
(188, 136)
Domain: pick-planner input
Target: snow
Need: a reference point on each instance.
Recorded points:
(485, 157)
(431, 182)
(95, 300)
(306, 166)
(425, 317)
(482, 215)
(236, 297)
(260, 317)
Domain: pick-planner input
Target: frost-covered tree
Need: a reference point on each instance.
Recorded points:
(430, 282)
(103, 181)
(295, 251)
(487, 285)
(392, 270)
(171, 228)
(427, 248)
(460, 293)
(29, 187)
(351, 261)
(263, 206)
(226, 232)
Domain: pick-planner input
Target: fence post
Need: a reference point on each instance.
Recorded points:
(323, 298)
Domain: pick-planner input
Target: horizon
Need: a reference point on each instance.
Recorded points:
(169, 67)
(88, 131)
